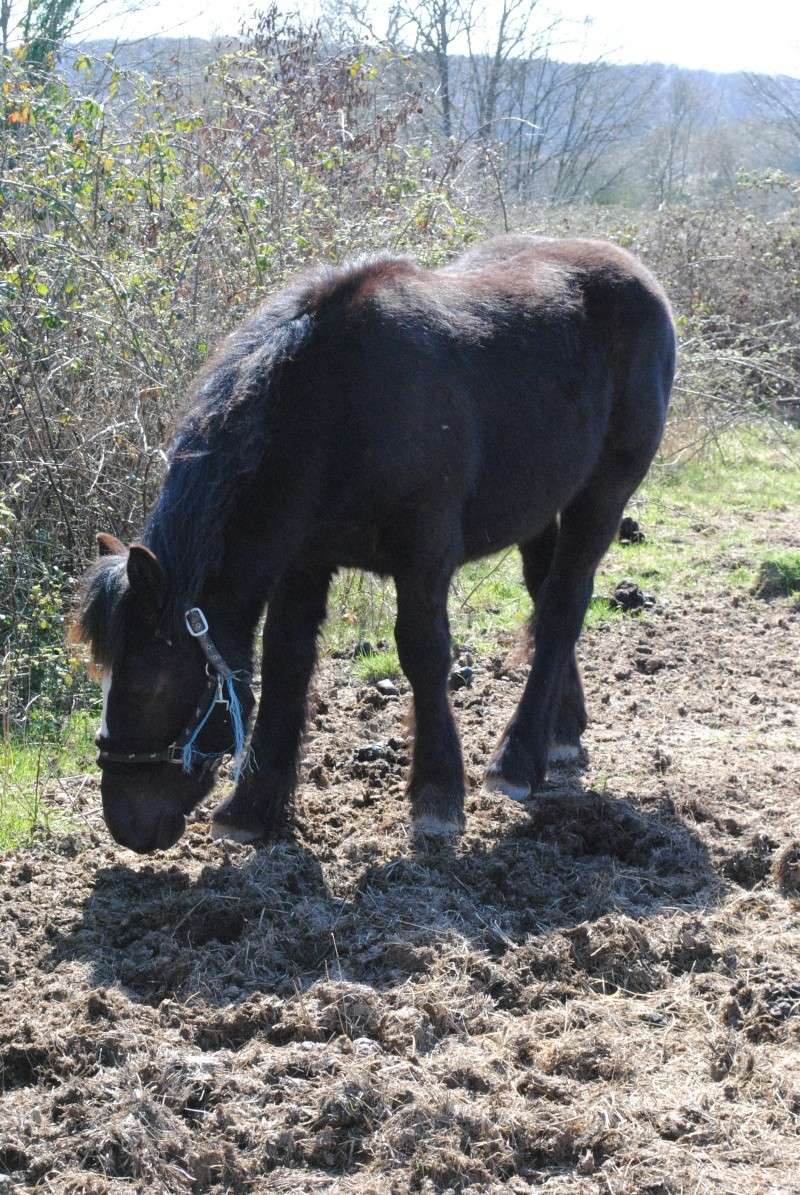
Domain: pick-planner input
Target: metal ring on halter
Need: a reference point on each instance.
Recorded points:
(192, 617)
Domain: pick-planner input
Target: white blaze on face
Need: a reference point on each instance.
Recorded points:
(105, 685)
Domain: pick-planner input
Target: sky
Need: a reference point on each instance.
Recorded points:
(717, 35)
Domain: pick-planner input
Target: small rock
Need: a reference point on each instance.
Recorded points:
(650, 665)
(366, 1046)
(363, 648)
(371, 752)
(461, 678)
(387, 688)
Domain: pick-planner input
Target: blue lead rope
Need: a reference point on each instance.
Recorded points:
(197, 626)
(190, 754)
(239, 732)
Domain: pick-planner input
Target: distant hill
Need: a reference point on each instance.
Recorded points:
(633, 119)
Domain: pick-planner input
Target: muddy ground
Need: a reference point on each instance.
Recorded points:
(596, 992)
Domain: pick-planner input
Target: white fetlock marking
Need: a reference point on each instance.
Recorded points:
(219, 831)
(563, 752)
(493, 782)
(434, 827)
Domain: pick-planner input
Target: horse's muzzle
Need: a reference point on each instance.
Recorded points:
(140, 824)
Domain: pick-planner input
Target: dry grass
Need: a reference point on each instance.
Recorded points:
(597, 993)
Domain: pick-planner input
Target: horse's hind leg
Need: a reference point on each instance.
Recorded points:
(587, 527)
(436, 784)
(259, 802)
(537, 558)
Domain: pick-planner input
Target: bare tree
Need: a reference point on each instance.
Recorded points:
(777, 100)
(573, 118)
(494, 51)
(434, 26)
(687, 105)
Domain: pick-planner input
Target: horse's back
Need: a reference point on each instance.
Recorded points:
(485, 391)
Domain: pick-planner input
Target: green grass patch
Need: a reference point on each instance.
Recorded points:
(29, 763)
(379, 665)
(695, 515)
(742, 577)
(747, 469)
(778, 575)
(601, 611)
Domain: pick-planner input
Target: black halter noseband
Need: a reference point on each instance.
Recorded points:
(218, 673)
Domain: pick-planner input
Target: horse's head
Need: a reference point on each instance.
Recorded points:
(166, 721)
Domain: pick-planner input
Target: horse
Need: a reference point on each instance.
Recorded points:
(379, 416)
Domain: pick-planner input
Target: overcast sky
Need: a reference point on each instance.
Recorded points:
(718, 35)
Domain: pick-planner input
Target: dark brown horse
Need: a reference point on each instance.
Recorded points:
(383, 417)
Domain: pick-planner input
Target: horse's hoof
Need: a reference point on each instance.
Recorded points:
(221, 830)
(495, 782)
(236, 824)
(564, 752)
(436, 812)
(428, 825)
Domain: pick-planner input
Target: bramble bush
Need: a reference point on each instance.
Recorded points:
(135, 230)
(140, 218)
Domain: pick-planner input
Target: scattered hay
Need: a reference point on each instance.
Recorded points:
(786, 869)
(597, 992)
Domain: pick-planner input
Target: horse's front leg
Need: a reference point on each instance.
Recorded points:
(258, 805)
(436, 784)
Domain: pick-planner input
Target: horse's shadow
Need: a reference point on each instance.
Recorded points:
(270, 922)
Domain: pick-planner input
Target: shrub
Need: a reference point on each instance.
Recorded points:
(135, 229)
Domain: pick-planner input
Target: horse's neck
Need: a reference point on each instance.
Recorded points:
(232, 620)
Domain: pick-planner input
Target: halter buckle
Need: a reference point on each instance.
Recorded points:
(196, 622)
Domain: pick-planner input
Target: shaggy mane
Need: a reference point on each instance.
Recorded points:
(221, 441)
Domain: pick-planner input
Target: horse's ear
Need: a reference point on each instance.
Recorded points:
(109, 545)
(147, 581)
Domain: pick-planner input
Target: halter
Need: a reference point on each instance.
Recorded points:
(219, 678)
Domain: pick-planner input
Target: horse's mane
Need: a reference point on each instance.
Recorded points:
(219, 444)
(221, 441)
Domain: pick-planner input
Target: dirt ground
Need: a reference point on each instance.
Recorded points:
(595, 992)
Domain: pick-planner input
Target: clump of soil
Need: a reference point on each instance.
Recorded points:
(630, 532)
(786, 869)
(778, 577)
(629, 598)
(596, 991)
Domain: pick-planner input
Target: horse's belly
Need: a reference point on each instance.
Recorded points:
(523, 488)
(490, 532)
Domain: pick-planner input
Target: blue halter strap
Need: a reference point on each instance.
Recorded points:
(221, 690)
